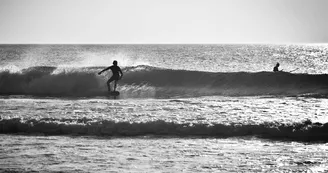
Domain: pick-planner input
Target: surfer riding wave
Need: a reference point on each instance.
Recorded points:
(117, 74)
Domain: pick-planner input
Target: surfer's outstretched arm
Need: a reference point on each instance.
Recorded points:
(104, 70)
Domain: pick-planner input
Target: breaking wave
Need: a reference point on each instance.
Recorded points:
(303, 131)
(147, 81)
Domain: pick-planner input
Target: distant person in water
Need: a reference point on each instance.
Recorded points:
(117, 74)
(275, 68)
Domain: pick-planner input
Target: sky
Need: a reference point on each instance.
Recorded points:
(163, 21)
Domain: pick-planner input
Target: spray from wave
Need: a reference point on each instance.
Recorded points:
(147, 81)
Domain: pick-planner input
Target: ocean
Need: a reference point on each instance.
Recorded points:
(181, 108)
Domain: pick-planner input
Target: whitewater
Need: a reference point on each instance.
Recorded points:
(182, 108)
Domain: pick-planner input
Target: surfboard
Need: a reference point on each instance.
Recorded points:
(114, 93)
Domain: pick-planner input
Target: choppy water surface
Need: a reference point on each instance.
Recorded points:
(182, 108)
(147, 154)
(205, 110)
(193, 149)
(305, 58)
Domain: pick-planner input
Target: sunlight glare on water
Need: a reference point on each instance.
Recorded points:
(228, 113)
(245, 110)
(215, 58)
(89, 154)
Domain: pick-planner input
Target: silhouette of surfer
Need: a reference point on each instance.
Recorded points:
(275, 68)
(117, 74)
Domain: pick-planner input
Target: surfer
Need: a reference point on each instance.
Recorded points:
(117, 74)
(275, 68)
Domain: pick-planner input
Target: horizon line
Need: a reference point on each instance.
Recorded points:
(219, 43)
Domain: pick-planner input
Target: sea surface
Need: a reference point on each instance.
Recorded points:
(181, 108)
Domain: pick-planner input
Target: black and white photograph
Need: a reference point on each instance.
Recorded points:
(144, 86)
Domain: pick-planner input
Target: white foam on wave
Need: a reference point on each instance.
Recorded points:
(11, 69)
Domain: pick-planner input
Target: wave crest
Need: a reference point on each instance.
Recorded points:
(52, 81)
(304, 131)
